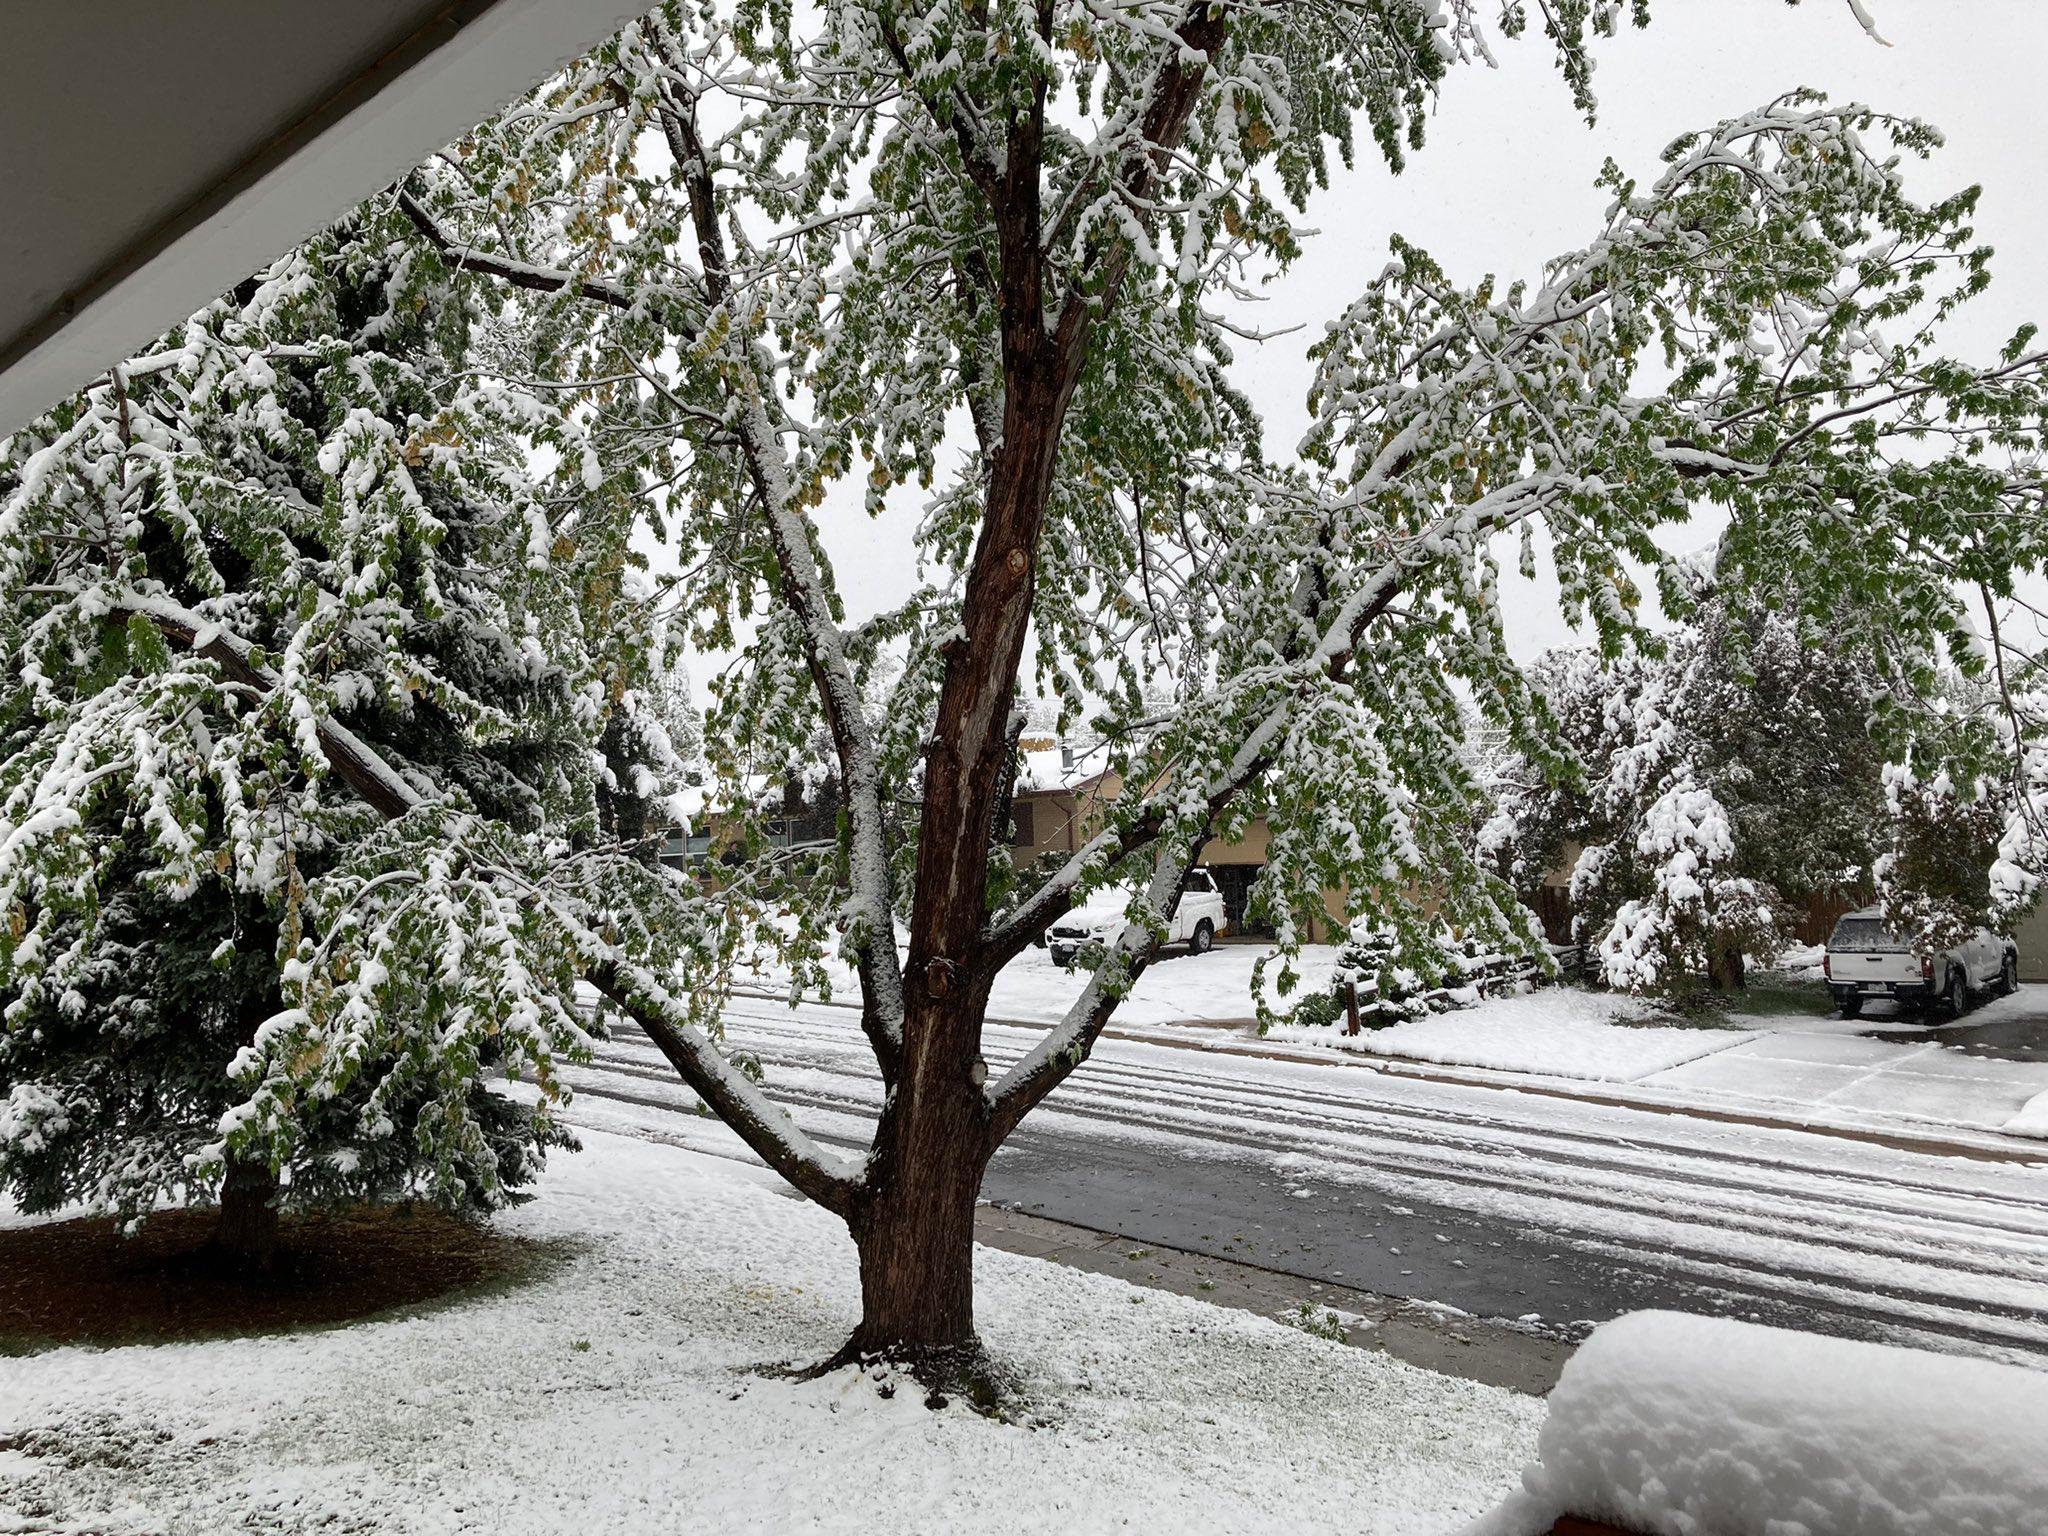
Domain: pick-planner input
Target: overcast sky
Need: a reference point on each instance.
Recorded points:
(1506, 181)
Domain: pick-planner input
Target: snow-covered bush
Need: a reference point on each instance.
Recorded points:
(1670, 1424)
(1371, 974)
(1716, 784)
(1699, 916)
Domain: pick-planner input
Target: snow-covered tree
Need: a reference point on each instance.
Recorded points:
(1717, 784)
(992, 255)
(303, 526)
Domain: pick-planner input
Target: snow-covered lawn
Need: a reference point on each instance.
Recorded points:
(1177, 989)
(617, 1395)
(1555, 1031)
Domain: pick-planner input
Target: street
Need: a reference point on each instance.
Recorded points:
(1550, 1211)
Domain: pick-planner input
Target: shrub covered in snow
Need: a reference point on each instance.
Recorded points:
(1370, 973)
(1673, 1425)
(1716, 784)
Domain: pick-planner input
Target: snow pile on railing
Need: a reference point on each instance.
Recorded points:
(1669, 1425)
(2032, 1120)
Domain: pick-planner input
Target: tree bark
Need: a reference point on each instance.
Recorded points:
(914, 1226)
(916, 1243)
(1724, 970)
(246, 1232)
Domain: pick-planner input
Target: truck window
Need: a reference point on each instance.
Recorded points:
(1863, 934)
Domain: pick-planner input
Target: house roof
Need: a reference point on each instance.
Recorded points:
(138, 185)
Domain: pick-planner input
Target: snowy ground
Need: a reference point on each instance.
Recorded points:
(618, 1394)
(1557, 1031)
(1832, 1070)
(1179, 988)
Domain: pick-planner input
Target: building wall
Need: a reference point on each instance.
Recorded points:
(1059, 820)
(2032, 938)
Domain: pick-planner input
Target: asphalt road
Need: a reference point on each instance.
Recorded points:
(1501, 1204)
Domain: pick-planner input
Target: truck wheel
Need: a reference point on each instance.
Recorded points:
(2009, 976)
(1958, 997)
(1203, 936)
(1852, 1007)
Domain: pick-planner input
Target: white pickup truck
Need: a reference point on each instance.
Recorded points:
(1197, 919)
(1866, 960)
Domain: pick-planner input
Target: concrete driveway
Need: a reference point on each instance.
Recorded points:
(2005, 1028)
(1977, 1072)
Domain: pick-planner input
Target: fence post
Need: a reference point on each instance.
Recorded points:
(1350, 1007)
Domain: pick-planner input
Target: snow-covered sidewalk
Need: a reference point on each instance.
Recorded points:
(618, 1394)
(1814, 1071)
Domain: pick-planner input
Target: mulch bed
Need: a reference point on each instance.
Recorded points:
(81, 1282)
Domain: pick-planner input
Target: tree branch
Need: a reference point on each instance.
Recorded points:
(520, 274)
(804, 593)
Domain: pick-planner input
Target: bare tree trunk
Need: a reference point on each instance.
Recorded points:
(1724, 969)
(916, 1244)
(246, 1232)
(915, 1226)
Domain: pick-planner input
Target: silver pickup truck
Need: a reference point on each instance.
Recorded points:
(1866, 960)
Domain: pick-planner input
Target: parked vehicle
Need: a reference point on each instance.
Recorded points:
(1196, 920)
(1865, 959)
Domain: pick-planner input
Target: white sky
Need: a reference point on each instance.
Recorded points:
(1506, 181)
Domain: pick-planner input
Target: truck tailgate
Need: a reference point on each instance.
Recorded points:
(1863, 965)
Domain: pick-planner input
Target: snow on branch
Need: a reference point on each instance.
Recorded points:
(509, 900)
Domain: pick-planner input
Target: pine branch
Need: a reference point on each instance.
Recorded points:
(374, 781)
(765, 1127)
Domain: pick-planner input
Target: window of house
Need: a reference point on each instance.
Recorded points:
(1023, 824)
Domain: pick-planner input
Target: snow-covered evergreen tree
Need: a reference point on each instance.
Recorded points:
(1717, 784)
(303, 525)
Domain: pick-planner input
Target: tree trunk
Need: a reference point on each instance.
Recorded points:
(915, 1227)
(246, 1232)
(1724, 970)
(916, 1246)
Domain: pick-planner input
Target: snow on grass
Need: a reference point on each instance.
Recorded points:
(1672, 1423)
(1555, 1031)
(617, 1393)
(1178, 987)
